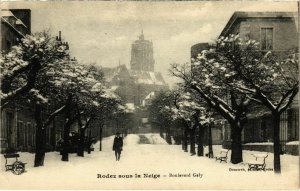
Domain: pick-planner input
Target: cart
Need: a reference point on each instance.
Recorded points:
(17, 167)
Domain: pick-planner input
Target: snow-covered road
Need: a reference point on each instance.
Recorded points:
(157, 163)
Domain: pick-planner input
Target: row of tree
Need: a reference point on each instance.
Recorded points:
(229, 80)
(184, 117)
(38, 72)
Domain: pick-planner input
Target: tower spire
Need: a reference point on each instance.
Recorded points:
(142, 35)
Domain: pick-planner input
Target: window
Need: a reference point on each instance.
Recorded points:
(266, 38)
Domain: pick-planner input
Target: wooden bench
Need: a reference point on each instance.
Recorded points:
(259, 163)
(16, 167)
(223, 155)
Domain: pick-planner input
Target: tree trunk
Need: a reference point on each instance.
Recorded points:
(81, 143)
(192, 141)
(168, 135)
(53, 135)
(66, 142)
(182, 138)
(236, 144)
(200, 150)
(89, 142)
(276, 124)
(210, 149)
(40, 138)
(100, 138)
(67, 127)
(185, 139)
(161, 132)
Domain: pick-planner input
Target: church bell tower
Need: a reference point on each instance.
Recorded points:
(142, 55)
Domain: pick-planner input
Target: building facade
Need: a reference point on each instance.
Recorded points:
(17, 124)
(276, 32)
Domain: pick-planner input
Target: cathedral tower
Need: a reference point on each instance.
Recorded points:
(142, 55)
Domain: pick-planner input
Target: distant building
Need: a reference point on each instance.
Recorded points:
(136, 85)
(278, 32)
(142, 55)
(198, 48)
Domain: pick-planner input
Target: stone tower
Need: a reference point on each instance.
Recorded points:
(142, 55)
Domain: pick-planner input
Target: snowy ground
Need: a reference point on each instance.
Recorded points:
(156, 158)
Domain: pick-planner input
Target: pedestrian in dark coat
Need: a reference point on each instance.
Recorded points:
(117, 146)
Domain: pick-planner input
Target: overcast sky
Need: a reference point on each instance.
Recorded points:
(102, 32)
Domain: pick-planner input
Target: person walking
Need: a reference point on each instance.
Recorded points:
(117, 146)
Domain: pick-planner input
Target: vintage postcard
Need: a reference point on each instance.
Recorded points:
(147, 95)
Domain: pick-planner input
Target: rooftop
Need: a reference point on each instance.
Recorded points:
(147, 77)
(6, 13)
(267, 15)
(139, 77)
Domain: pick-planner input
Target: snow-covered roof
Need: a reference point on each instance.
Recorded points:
(113, 73)
(108, 93)
(114, 88)
(147, 77)
(293, 143)
(19, 22)
(129, 107)
(150, 95)
(140, 77)
(259, 143)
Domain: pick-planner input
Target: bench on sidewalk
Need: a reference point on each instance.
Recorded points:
(259, 163)
(16, 167)
(223, 155)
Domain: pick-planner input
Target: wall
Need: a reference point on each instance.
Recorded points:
(258, 130)
(20, 134)
(284, 31)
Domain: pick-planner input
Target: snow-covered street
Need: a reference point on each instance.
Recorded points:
(154, 163)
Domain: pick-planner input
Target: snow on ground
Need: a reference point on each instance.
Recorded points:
(155, 139)
(157, 159)
(293, 143)
(261, 143)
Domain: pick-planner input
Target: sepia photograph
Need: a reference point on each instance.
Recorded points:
(149, 95)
